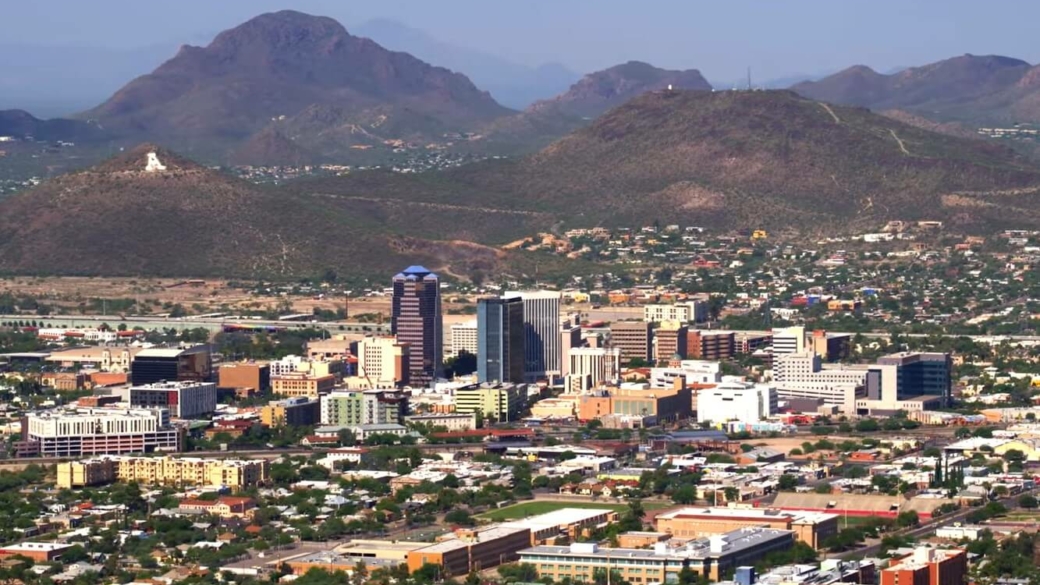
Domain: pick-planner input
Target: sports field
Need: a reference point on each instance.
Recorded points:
(526, 509)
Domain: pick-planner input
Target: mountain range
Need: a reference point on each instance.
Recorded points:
(740, 160)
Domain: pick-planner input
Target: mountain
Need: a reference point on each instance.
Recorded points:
(21, 124)
(598, 92)
(971, 89)
(512, 84)
(149, 211)
(278, 66)
(742, 160)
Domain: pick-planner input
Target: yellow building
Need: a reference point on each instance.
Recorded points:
(296, 384)
(564, 406)
(232, 473)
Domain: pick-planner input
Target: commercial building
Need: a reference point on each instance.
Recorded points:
(364, 408)
(736, 400)
(302, 384)
(812, 528)
(542, 353)
(452, 421)
(643, 405)
(254, 375)
(684, 312)
(670, 342)
(175, 471)
(181, 399)
(633, 338)
(710, 345)
(150, 366)
(294, 412)
(70, 433)
(709, 557)
(472, 549)
(384, 361)
(37, 552)
(570, 339)
(501, 401)
(928, 566)
(789, 340)
(464, 338)
(500, 340)
(416, 320)
(103, 358)
(597, 365)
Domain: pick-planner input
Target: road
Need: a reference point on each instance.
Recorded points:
(210, 324)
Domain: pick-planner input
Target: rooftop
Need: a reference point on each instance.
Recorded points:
(483, 535)
(715, 546)
(559, 518)
(748, 513)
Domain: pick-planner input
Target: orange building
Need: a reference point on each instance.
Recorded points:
(812, 528)
(38, 552)
(472, 549)
(245, 375)
(928, 566)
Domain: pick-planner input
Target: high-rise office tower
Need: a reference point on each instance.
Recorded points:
(542, 352)
(416, 320)
(500, 340)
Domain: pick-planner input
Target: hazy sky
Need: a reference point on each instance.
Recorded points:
(723, 37)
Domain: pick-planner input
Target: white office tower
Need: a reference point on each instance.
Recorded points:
(542, 352)
(736, 400)
(464, 338)
(788, 340)
(600, 364)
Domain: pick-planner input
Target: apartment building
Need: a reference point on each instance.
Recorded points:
(87, 431)
(355, 408)
(597, 365)
(464, 338)
(502, 401)
(711, 557)
(295, 384)
(684, 312)
(174, 471)
(633, 338)
(294, 412)
(181, 399)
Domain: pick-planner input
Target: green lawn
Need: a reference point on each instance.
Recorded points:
(525, 509)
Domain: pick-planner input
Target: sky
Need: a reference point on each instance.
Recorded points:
(721, 38)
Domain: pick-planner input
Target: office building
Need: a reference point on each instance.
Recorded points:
(103, 358)
(363, 408)
(181, 399)
(683, 312)
(71, 433)
(633, 338)
(294, 364)
(150, 366)
(831, 347)
(301, 384)
(670, 342)
(710, 345)
(173, 471)
(503, 401)
(921, 374)
(250, 375)
(692, 372)
(500, 340)
(294, 412)
(542, 353)
(736, 400)
(599, 365)
(416, 320)
(384, 361)
(812, 528)
(789, 340)
(464, 338)
(711, 557)
(927, 566)
(635, 406)
(570, 339)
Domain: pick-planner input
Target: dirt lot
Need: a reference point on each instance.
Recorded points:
(82, 294)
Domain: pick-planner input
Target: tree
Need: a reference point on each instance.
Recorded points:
(867, 425)
(460, 517)
(788, 482)
(907, 519)
(519, 572)
(1028, 501)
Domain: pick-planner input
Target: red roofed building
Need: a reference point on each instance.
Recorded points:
(225, 507)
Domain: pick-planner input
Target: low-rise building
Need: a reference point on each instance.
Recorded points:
(927, 566)
(452, 421)
(472, 549)
(225, 506)
(294, 412)
(98, 431)
(38, 552)
(812, 528)
(293, 384)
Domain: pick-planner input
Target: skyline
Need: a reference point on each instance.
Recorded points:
(722, 41)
